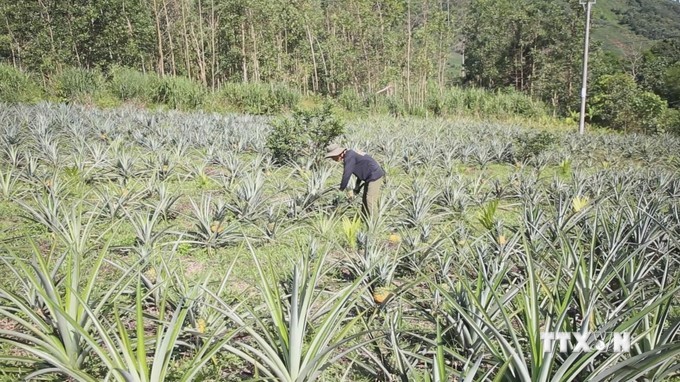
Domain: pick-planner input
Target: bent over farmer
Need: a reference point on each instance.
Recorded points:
(368, 172)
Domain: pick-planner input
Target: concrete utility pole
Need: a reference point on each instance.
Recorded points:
(582, 126)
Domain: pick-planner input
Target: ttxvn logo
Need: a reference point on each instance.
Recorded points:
(577, 342)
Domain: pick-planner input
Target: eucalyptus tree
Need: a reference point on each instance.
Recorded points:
(47, 35)
(530, 46)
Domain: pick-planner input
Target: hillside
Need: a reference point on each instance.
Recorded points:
(623, 26)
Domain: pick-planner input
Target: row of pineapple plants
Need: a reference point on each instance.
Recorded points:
(487, 235)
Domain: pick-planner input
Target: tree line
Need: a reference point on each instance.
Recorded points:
(412, 50)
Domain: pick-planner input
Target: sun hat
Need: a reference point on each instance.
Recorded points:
(333, 150)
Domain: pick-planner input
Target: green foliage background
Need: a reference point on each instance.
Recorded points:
(389, 56)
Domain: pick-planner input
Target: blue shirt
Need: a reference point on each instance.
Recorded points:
(364, 167)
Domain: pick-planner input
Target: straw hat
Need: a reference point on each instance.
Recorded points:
(334, 150)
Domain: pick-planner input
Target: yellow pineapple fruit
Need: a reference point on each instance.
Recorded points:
(380, 294)
(151, 274)
(394, 239)
(216, 227)
(502, 240)
(201, 325)
(579, 203)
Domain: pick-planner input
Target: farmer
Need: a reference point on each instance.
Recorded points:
(368, 172)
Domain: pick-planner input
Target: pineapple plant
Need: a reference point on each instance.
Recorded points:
(211, 228)
(249, 198)
(382, 267)
(151, 274)
(485, 303)
(350, 229)
(8, 183)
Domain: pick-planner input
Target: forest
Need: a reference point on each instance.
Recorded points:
(409, 53)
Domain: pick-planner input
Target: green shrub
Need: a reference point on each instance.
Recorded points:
(521, 104)
(179, 93)
(76, 84)
(417, 111)
(350, 100)
(395, 106)
(531, 144)
(435, 104)
(17, 86)
(619, 103)
(476, 101)
(454, 101)
(128, 84)
(670, 121)
(649, 108)
(372, 101)
(259, 99)
(286, 98)
(671, 84)
(305, 133)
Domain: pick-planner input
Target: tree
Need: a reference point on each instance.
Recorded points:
(618, 103)
(656, 20)
(532, 46)
(671, 88)
(660, 71)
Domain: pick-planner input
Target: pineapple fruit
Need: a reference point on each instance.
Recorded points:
(216, 227)
(201, 325)
(502, 240)
(579, 203)
(151, 274)
(380, 294)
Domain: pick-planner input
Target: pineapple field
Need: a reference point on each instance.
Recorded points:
(142, 245)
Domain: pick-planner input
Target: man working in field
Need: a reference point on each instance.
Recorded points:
(368, 172)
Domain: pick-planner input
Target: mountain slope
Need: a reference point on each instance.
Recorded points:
(625, 26)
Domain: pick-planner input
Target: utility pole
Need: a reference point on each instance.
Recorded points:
(582, 126)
